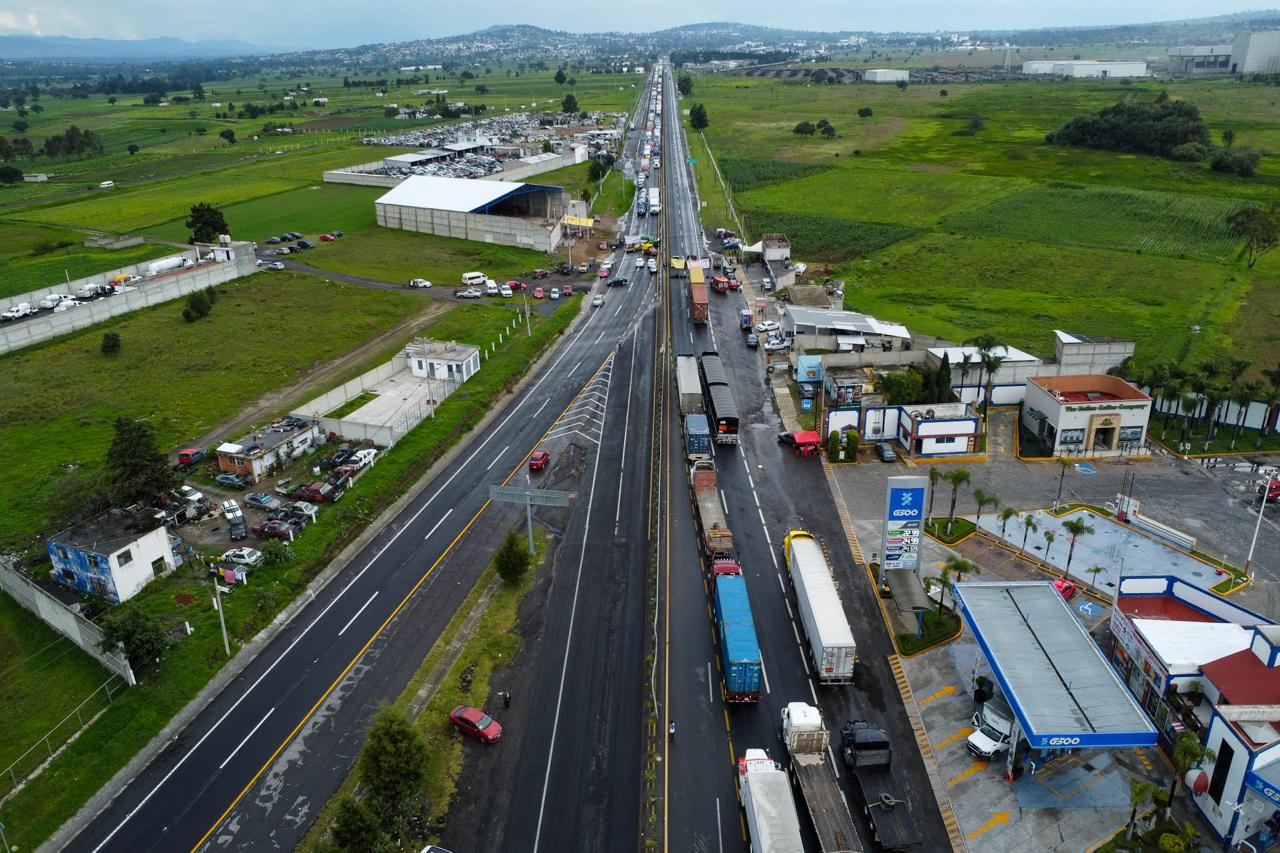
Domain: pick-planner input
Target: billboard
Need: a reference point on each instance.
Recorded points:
(905, 499)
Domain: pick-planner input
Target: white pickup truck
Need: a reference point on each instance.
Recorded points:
(17, 312)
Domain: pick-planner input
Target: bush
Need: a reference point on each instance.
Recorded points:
(189, 315)
(1242, 161)
(1144, 128)
(833, 446)
(1170, 843)
(276, 551)
(851, 441)
(141, 634)
(804, 128)
(10, 175)
(1190, 152)
(198, 304)
(110, 343)
(513, 557)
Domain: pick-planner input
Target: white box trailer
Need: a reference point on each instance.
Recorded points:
(688, 385)
(772, 820)
(832, 649)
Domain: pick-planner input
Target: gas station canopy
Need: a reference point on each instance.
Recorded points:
(1059, 685)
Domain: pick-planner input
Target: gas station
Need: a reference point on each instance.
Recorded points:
(1064, 694)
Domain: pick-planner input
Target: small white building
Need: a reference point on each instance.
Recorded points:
(442, 359)
(886, 75)
(969, 380)
(1038, 66)
(842, 331)
(1100, 68)
(1088, 415)
(263, 450)
(936, 430)
(113, 555)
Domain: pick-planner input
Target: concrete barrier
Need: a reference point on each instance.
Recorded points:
(72, 287)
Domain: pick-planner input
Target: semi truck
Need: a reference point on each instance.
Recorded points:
(721, 408)
(736, 631)
(807, 741)
(168, 264)
(699, 307)
(831, 646)
(772, 820)
(717, 538)
(869, 754)
(697, 437)
(655, 200)
(687, 385)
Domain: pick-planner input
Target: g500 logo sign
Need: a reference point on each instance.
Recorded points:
(906, 503)
(1060, 741)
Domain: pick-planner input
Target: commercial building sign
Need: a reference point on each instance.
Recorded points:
(905, 501)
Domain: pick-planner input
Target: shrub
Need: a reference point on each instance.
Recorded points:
(1144, 128)
(1170, 843)
(199, 306)
(513, 557)
(1190, 152)
(851, 441)
(833, 445)
(110, 343)
(1242, 161)
(804, 128)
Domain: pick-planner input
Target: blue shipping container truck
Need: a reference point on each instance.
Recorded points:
(739, 649)
(697, 435)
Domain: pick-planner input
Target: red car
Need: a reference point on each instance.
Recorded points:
(1066, 587)
(541, 273)
(475, 723)
(537, 293)
(567, 290)
(272, 529)
(516, 284)
(538, 460)
(327, 238)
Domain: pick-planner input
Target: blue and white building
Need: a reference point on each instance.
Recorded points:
(113, 555)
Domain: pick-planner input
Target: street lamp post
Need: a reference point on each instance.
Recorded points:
(1257, 525)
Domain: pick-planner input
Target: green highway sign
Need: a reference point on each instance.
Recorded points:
(692, 160)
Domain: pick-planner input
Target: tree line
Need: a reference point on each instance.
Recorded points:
(71, 142)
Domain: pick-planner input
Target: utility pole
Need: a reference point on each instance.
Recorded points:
(217, 604)
(1257, 525)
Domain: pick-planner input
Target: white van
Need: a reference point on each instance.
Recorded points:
(490, 287)
(993, 726)
(106, 185)
(473, 279)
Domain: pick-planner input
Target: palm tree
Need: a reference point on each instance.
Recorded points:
(1214, 393)
(991, 362)
(1188, 403)
(966, 364)
(957, 477)
(1028, 526)
(984, 500)
(1174, 388)
(1077, 528)
(1139, 790)
(935, 477)
(959, 567)
(1048, 543)
(1242, 395)
(1062, 475)
(1006, 515)
(942, 583)
(1095, 571)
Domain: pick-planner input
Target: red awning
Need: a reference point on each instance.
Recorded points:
(807, 438)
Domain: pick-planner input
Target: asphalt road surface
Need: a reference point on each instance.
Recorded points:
(254, 767)
(766, 491)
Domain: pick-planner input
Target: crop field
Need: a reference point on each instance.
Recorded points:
(121, 211)
(390, 255)
(830, 239)
(1110, 218)
(745, 174)
(32, 257)
(957, 287)
(263, 333)
(312, 210)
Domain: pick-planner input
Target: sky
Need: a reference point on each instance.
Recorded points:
(333, 23)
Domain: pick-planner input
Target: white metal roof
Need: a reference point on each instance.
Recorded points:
(844, 321)
(956, 354)
(1062, 689)
(462, 195)
(1184, 646)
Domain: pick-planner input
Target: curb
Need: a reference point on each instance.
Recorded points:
(107, 794)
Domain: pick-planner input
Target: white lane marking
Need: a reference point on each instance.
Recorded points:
(719, 831)
(358, 612)
(759, 510)
(495, 460)
(437, 525)
(790, 615)
(722, 501)
(814, 694)
(772, 555)
(834, 764)
(781, 585)
(797, 633)
(756, 498)
(543, 406)
(246, 739)
(711, 699)
(626, 425)
(568, 641)
(765, 675)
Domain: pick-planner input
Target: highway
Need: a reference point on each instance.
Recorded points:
(766, 491)
(254, 767)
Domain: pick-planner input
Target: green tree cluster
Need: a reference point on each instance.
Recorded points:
(1153, 127)
(206, 223)
(698, 117)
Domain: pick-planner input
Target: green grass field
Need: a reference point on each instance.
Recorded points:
(391, 255)
(45, 678)
(312, 210)
(33, 257)
(959, 286)
(185, 378)
(1129, 220)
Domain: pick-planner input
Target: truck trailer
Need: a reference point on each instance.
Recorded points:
(830, 640)
(717, 539)
(697, 437)
(699, 307)
(736, 631)
(772, 820)
(807, 741)
(168, 264)
(721, 408)
(869, 754)
(655, 201)
(687, 385)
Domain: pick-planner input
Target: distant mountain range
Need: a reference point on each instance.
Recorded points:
(523, 42)
(115, 51)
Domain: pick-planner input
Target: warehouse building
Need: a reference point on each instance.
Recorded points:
(886, 75)
(1195, 60)
(1087, 68)
(510, 214)
(1256, 53)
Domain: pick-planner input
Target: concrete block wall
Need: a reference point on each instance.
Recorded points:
(506, 231)
(352, 388)
(154, 291)
(74, 285)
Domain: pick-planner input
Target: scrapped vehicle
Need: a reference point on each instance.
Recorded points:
(419, 282)
(262, 500)
(243, 556)
(232, 481)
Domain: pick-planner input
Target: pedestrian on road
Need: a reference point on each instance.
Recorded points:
(506, 699)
